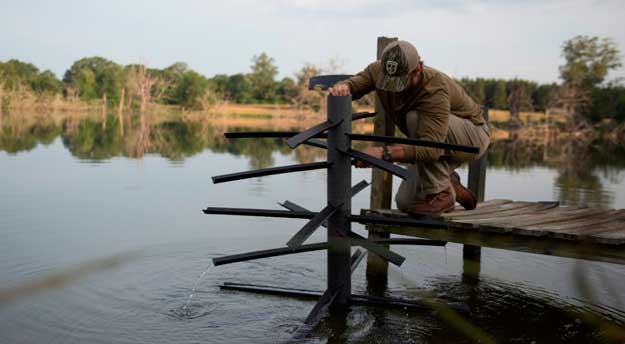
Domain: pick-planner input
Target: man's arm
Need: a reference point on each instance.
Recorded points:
(432, 125)
(358, 85)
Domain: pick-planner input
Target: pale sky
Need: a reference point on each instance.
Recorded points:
(486, 38)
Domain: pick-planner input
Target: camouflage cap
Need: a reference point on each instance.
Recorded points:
(398, 60)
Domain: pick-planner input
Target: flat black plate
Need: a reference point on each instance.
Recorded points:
(325, 81)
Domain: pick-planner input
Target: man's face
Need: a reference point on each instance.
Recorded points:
(414, 75)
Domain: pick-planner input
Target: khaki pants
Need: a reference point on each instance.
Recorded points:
(430, 177)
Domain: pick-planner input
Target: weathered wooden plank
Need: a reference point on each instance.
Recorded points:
(590, 221)
(564, 215)
(474, 222)
(507, 224)
(613, 237)
(581, 228)
(538, 219)
(525, 228)
(499, 221)
(530, 244)
(609, 232)
(385, 212)
(520, 223)
(480, 206)
(489, 211)
(459, 210)
(583, 232)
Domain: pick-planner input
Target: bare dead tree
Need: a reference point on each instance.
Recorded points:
(104, 110)
(120, 111)
(139, 85)
(573, 101)
(1, 100)
(145, 85)
(518, 100)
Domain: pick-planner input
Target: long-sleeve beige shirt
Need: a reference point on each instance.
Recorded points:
(434, 97)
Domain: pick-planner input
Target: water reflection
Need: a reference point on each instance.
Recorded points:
(117, 306)
(174, 137)
(581, 168)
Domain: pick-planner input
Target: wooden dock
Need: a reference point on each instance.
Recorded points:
(534, 227)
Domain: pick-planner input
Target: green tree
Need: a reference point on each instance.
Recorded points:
(47, 83)
(94, 76)
(219, 84)
(287, 90)
(84, 82)
(240, 88)
(479, 91)
(305, 97)
(262, 78)
(588, 61)
(543, 96)
(499, 99)
(167, 82)
(608, 102)
(192, 90)
(15, 72)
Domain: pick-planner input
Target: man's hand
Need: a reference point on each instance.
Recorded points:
(376, 152)
(339, 90)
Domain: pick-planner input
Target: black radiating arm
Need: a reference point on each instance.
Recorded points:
(414, 142)
(379, 163)
(309, 228)
(281, 251)
(310, 142)
(377, 249)
(310, 133)
(356, 238)
(294, 207)
(317, 143)
(328, 296)
(270, 171)
(260, 212)
(415, 222)
(356, 259)
(359, 187)
(360, 115)
(274, 252)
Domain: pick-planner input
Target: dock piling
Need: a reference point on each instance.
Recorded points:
(381, 188)
(472, 255)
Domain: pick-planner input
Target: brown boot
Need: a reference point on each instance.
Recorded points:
(435, 204)
(464, 196)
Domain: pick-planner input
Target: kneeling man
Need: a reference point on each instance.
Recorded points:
(424, 103)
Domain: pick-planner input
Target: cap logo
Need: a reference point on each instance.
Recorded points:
(391, 67)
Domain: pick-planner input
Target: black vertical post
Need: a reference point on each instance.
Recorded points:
(339, 196)
(472, 255)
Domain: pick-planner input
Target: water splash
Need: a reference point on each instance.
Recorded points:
(183, 310)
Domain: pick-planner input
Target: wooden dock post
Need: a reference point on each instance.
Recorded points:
(381, 185)
(471, 255)
(339, 196)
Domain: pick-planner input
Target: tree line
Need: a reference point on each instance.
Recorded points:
(95, 78)
(582, 91)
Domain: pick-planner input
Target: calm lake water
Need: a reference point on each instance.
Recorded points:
(74, 190)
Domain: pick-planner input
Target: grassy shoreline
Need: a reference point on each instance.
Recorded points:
(530, 126)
